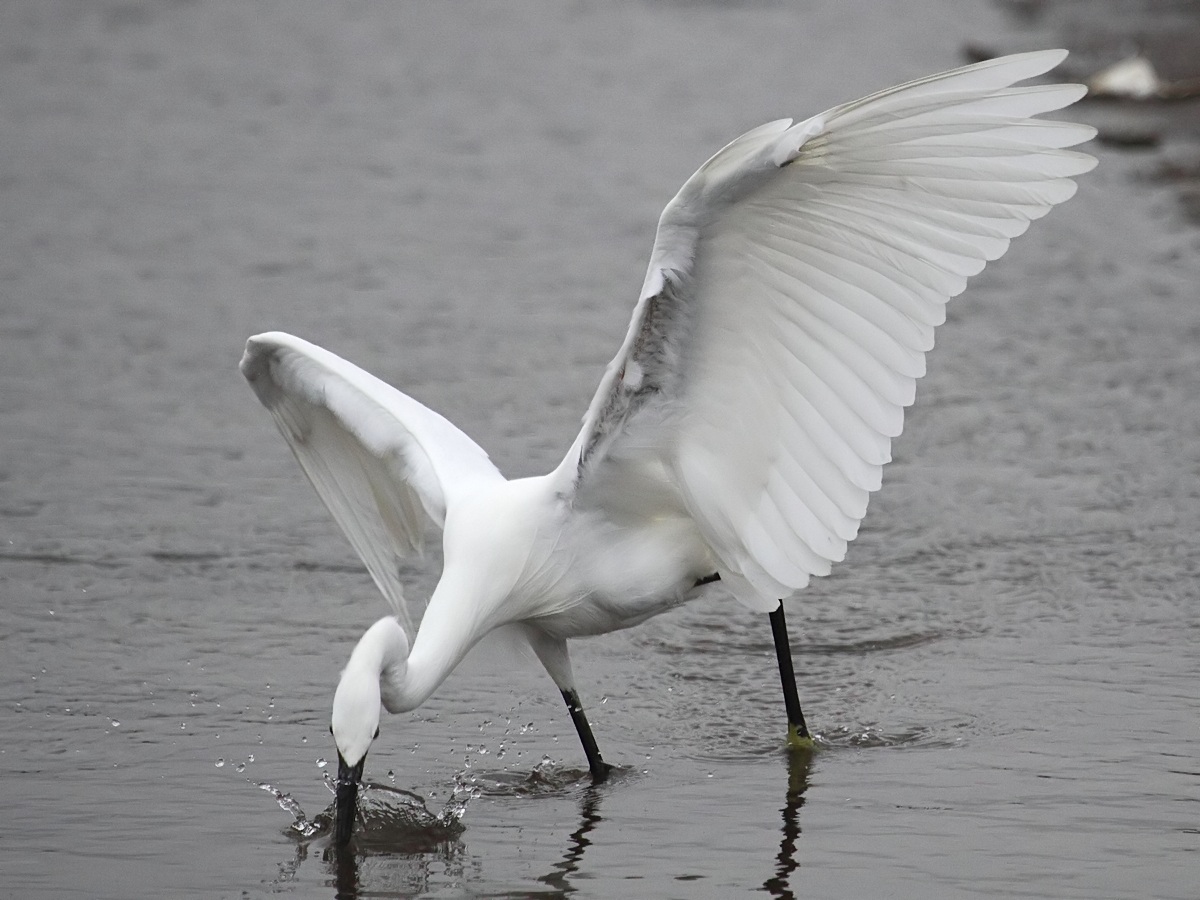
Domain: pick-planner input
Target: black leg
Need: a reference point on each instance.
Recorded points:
(798, 735)
(599, 767)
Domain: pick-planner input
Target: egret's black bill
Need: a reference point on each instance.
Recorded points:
(346, 800)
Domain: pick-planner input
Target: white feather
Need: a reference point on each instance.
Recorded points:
(793, 290)
(385, 466)
(808, 265)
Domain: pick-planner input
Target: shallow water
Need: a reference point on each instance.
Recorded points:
(460, 199)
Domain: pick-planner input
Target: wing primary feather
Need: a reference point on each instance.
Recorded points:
(899, 349)
(853, 272)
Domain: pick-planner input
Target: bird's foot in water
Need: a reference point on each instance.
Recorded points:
(600, 772)
(799, 741)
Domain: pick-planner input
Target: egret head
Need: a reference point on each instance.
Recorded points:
(376, 663)
(355, 724)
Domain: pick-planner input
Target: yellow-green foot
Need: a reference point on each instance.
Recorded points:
(798, 741)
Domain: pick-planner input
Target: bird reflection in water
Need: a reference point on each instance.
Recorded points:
(345, 872)
(411, 844)
(409, 863)
(411, 876)
(559, 878)
(416, 857)
(799, 763)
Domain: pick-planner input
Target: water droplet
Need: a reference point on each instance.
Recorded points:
(250, 758)
(116, 724)
(322, 762)
(391, 776)
(483, 751)
(304, 740)
(220, 763)
(240, 767)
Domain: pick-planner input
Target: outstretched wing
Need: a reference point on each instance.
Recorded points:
(384, 465)
(793, 291)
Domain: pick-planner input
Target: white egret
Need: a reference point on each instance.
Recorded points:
(793, 290)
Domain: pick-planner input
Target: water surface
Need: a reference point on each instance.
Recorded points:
(461, 199)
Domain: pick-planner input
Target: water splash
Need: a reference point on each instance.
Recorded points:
(384, 808)
(391, 817)
(388, 817)
(301, 824)
(466, 788)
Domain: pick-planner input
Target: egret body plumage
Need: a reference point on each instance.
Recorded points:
(793, 291)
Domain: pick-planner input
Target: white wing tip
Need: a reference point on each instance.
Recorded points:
(261, 363)
(256, 357)
(1029, 64)
(1050, 58)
